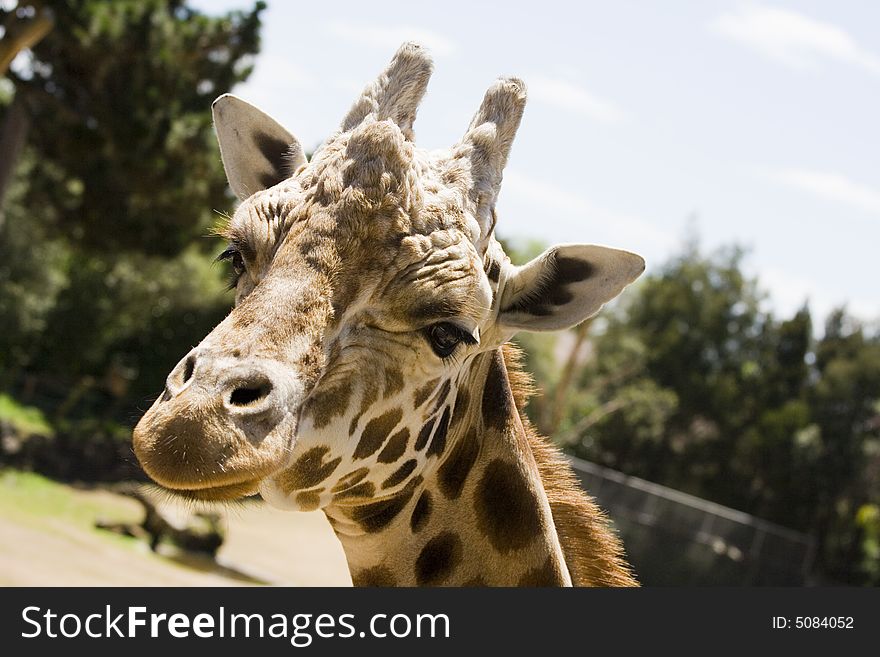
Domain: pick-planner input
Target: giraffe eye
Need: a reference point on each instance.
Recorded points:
(234, 256)
(237, 263)
(445, 337)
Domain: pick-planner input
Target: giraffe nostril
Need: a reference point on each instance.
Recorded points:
(245, 396)
(179, 377)
(188, 368)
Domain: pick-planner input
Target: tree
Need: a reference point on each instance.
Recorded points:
(118, 97)
(699, 335)
(690, 382)
(20, 29)
(101, 267)
(845, 405)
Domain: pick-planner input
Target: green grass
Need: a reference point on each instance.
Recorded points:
(65, 516)
(40, 502)
(27, 420)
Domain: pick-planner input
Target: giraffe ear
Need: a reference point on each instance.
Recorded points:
(565, 285)
(257, 152)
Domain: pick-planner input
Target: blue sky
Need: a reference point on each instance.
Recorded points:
(757, 122)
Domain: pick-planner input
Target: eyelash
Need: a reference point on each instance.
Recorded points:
(455, 331)
(233, 254)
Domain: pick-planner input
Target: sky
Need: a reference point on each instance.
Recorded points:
(754, 123)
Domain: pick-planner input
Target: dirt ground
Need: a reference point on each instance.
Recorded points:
(47, 538)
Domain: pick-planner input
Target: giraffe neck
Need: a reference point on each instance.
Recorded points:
(478, 515)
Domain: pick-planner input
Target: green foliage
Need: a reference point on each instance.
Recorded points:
(119, 95)
(33, 272)
(25, 420)
(130, 317)
(692, 384)
(106, 279)
(845, 405)
(868, 521)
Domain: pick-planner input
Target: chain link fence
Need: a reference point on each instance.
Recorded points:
(676, 539)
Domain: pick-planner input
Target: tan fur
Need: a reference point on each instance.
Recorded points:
(593, 552)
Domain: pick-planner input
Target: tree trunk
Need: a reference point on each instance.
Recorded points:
(560, 396)
(16, 40)
(13, 135)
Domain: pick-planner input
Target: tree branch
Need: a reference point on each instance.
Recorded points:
(27, 37)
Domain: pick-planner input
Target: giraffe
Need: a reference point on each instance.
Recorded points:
(365, 369)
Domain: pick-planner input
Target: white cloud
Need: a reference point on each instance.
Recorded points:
(793, 39)
(571, 97)
(274, 76)
(390, 38)
(789, 291)
(348, 85)
(829, 186)
(278, 86)
(545, 193)
(558, 203)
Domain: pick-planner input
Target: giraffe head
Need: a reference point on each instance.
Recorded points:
(367, 281)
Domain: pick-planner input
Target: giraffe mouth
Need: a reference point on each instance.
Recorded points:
(222, 493)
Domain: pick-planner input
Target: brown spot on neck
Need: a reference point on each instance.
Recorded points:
(375, 576)
(375, 516)
(309, 470)
(454, 471)
(421, 512)
(364, 490)
(441, 396)
(309, 500)
(498, 407)
(395, 447)
(350, 479)
(421, 395)
(375, 433)
(327, 404)
(369, 398)
(438, 559)
(424, 434)
(438, 442)
(507, 509)
(542, 576)
(400, 475)
(462, 400)
(393, 382)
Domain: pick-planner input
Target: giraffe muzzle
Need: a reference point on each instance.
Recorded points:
(222, 425)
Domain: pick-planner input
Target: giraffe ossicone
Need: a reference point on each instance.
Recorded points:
(364, 369)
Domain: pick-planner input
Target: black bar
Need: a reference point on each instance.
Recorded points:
(699, 620)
